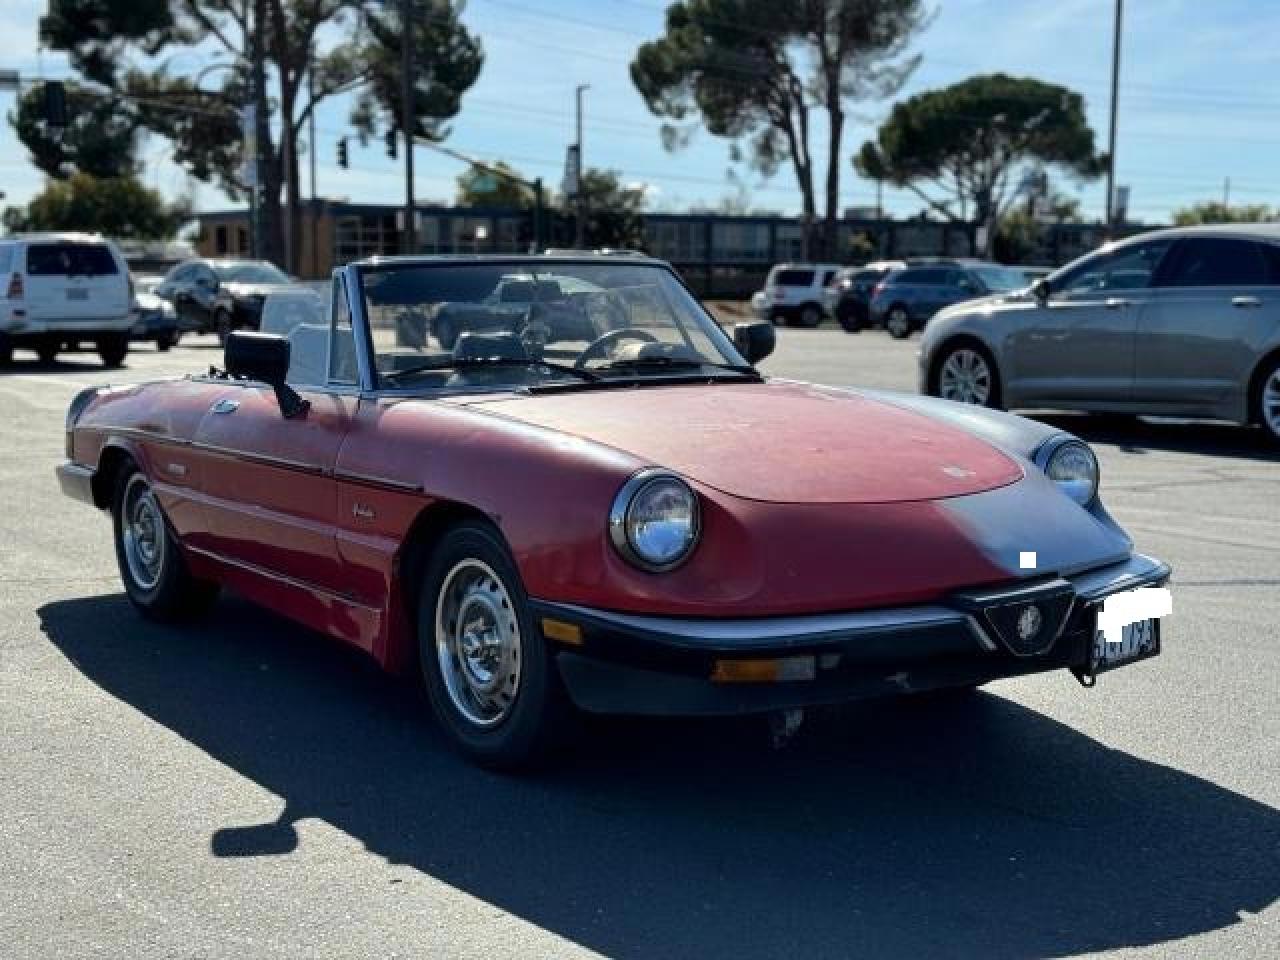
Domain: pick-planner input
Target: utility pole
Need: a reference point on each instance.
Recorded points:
(580, 218)
(406, 117)
(1115, 94)
(1226, 193)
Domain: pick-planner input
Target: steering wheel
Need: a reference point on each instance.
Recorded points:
(600, 344)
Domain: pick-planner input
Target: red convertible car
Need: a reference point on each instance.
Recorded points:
(637, 521)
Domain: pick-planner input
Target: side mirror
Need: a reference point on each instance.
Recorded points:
(755, 341)
(264, 357)
(1040, 290)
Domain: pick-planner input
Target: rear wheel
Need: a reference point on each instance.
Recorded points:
(810, 316)
(47, 352)
(847, 317)
(113, 350)
(898, 322)
(967, 374)
(152, 568)
(487, 669)
(1267, 411)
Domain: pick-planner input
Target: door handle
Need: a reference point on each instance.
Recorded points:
(1244, 302)
(1115, 303)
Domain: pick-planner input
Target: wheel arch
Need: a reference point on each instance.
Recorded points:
(1255, 384)
(958, 339)
(111, 460)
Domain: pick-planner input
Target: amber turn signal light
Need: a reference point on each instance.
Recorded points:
(763, 671)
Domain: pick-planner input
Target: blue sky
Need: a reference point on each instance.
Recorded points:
(1198, 101)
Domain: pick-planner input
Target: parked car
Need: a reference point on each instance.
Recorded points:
(906, 299)
(563, 304)
(849, 294)
(795, 293)
(154, 319)
(219, 296)
(637, 522)
(1183, 322)
(62, 290)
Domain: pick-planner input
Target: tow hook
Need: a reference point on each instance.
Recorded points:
(783, 725)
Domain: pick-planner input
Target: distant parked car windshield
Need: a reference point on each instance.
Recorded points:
(249, 273)
(1000, 279)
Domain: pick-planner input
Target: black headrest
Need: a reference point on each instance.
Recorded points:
(489, 346)
(517, 291)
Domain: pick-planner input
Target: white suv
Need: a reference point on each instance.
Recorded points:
(793, 293)
(58, 291)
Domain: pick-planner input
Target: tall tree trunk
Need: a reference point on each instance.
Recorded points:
(830, 240)
(292, 233)
(268, 168)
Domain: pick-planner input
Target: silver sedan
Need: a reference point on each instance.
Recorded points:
(1182, 322)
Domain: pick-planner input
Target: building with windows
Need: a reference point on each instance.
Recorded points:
(719, 255)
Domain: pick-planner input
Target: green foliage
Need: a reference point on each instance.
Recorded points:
(1215, 212)
(971, 143)
(615, 211)
(752, 70)
(119, 207)
(476, 188)
(448, 62)
(99, 140)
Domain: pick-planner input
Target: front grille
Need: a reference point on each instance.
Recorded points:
(1026, 620)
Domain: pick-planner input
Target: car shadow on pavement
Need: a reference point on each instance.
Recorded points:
(967, 826)
(1138, 435)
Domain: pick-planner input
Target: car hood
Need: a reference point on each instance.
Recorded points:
(778, 442)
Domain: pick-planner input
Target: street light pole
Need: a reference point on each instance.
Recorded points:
(1115, 95)
(579, 228)
(406, 116)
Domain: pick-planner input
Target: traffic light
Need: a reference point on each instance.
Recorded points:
(344, 160)
(390, 138)
(55, 104)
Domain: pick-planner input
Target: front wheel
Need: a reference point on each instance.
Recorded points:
(152, 568)
(487, 669)
(898, 322)
(967, 374)
(1268, 403)
(113, 350)
(810, 317)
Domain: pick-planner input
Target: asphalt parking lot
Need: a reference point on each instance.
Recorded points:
(244, 788)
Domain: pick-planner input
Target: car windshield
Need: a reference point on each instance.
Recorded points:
(505, 326)
(1000, 279)
(255, 272)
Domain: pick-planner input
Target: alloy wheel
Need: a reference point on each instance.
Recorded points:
(965, 377)
(898, 323)
(478, 643)
(1271, 402)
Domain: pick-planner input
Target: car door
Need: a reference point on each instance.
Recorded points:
(1199, 337)
(1078, 346)
(268, 484)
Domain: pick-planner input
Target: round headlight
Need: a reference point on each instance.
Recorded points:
(655, 520)
(1074, 468)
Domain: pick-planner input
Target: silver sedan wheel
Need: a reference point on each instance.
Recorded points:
(965, 377)
(898, 323)
(478, 643)
(143, 532)
(1271, 402)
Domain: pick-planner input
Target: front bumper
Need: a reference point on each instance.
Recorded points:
(76, 481)
(628, 663)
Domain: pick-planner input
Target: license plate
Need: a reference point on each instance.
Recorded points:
(74, 294)
(1137, 642)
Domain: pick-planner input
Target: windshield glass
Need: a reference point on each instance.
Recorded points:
(513, 325)
(1001, 279)
(256, 272)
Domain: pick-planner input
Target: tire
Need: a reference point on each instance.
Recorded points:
(1266, 404)
(166, 341)
(446, 333)
(966, 372)
(810, 316)
(113, 350)
(778, 318)
(6, 350)
(222, 326)
(48, 353)
(898, 322)
(848, 320)
(510, 710)
(150, 558)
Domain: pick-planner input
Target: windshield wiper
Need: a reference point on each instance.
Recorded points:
(491, 363)
(676, 363)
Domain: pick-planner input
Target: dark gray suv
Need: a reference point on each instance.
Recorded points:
(906, 299)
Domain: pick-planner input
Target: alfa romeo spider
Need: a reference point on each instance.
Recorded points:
(633, 521)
